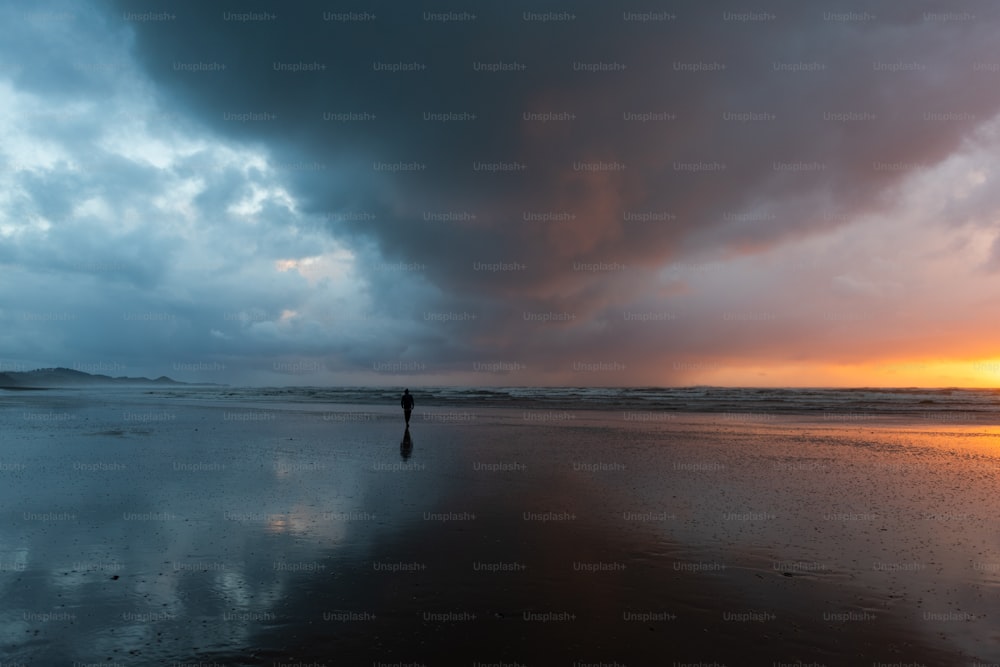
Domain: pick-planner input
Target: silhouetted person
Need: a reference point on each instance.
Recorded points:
(406, 446)
(407, 402)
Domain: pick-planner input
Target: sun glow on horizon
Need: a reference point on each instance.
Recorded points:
(931, 373)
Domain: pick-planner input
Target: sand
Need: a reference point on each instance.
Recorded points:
(144, 530)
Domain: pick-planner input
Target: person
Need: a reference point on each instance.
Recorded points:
(407, 402)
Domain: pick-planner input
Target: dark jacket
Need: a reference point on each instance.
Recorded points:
(406, 401)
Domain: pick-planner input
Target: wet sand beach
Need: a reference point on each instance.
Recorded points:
(140, 529)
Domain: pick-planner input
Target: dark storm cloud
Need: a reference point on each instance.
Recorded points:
(807, 67)
(815, 112)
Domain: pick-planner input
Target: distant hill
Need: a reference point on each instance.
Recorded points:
(44, 378)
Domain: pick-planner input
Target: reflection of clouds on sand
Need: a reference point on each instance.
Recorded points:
(810, 501)
(309, 521)
(204, 523)
(14, 629)
(287, 517)
(245, 600)
(901, 512)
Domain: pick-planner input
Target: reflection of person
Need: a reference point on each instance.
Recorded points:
(406, 446)
(407, 402)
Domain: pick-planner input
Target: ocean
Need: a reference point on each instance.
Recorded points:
(942, 405)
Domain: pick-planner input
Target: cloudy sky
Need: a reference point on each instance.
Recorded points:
(517, 193)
